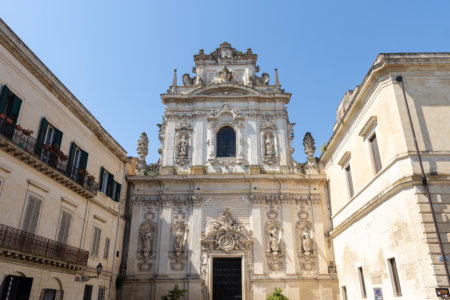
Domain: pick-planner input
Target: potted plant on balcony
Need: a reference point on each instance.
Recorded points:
(27, 132)
(91, 178)
(18, 127)
(9, 121)
(2, 116)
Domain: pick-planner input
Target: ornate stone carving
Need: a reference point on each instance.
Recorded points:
(263, 80)
(147, 233)
(142, 151)
(224, 75)
(179, 230)
(310, 149)
(275, 255)
(182, 156)
(269, 154)
(188, 81)
(306, 252)
(183, 125)
(227, 234)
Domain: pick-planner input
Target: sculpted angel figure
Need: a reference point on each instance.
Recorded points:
(269, 146)
(182, 146)
(273, 239)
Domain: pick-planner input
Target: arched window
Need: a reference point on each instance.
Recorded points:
(226, 142)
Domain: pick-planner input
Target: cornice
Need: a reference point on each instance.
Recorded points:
(32, 63)
(385, 63)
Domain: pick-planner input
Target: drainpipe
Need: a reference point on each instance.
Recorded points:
(117, 231)
(399, 79)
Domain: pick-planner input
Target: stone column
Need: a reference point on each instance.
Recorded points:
(195, 227)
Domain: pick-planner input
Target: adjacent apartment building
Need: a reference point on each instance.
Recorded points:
(381, 185)
(61, 186)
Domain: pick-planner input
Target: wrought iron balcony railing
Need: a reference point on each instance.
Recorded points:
(47, 155)
(25, 242)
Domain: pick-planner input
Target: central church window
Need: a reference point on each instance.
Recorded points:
(226, 142)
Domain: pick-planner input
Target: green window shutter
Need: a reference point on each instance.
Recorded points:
(15, 108)
(58, 138)
(71, 154)
(109, 188)
(83, 160)
(4, 98)
(42, 130)
(32, 214)
(117, 196)
(64, 227)
(100, 179)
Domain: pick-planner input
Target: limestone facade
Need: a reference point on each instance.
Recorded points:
(56, 226)
(226, 186)
(382, 221)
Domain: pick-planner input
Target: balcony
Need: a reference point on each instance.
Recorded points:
(18, 244)
(43, 158)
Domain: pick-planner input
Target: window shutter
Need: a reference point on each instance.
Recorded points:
(42, 130)
(4, 98)
(58, 138)
(109, 188)
(64, 227)
(96, 241)
(101, 179)
(83, 160)
(117, 196)
(15, 108)
(71, 153)
(105, 254)
(32, 214)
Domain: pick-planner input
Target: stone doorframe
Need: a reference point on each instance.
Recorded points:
(226, 238)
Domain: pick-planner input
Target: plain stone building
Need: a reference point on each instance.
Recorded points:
(61, 185)
(227, 213)
(384, 234)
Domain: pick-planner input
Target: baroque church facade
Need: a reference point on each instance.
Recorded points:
(227, 213)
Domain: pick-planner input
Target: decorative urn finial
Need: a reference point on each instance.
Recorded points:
(310, 149)
(142, 151)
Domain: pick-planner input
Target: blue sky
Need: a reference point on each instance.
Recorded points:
(117, 57)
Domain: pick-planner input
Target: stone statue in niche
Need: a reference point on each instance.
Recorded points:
(179, 242)
(146, 242)
(306, 243)
(269, 146)
(182, 157)
(274, 238)
(182, 146)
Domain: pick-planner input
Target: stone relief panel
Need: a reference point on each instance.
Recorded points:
(274, 254)
(148, 236)
(306, 251)
(179, 236)
(214, 205)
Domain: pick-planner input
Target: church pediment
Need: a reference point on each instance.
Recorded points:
(224, 89)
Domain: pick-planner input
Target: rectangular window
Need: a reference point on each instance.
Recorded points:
(87, 292)
(394, 277)
(348, 175)
(106, 252)
(77, 161)
(101, 292)
(32, 211)
(49, 134)
(375, 153)
(64, 226)
(10, 104)
(96, 242)
(362, 284)
(344, 292)
(108, 186)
